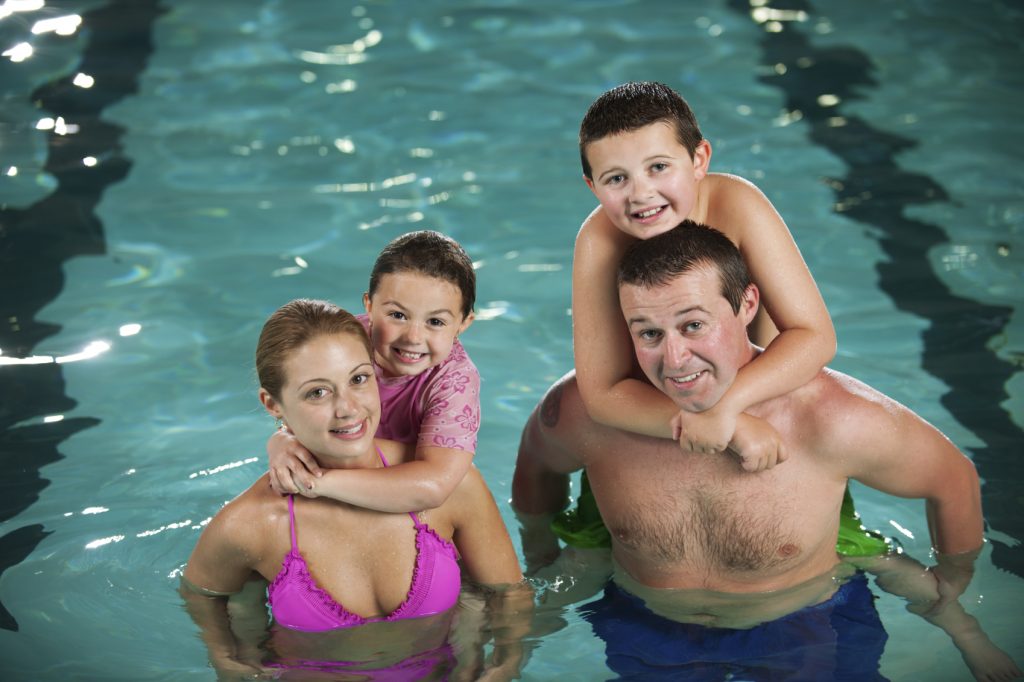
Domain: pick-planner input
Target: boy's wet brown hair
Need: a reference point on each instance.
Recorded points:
(632, 106)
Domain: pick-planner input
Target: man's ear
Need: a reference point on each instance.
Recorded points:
(270, 404)
(749, 303)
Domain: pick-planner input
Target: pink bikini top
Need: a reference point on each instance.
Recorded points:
(297, 602)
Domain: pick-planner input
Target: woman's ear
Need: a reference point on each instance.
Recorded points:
(270, 404)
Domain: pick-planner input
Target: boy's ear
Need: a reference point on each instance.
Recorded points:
(468, 320)
(590, 183)
(701, 159)
(269, 404)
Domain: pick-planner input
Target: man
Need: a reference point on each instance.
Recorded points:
(692, 521)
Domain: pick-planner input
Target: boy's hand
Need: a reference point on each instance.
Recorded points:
(757, 444)
(293, 470)
(707, 432)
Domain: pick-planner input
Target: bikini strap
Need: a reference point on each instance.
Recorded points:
(291, 515)
(414, 515)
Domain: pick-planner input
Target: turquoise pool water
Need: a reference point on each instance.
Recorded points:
(259, 151)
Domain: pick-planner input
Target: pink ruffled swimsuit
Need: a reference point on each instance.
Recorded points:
(297, 602)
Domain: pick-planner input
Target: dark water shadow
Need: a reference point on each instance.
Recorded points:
(875, 191)
(36, 241)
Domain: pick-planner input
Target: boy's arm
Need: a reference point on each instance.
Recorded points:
(806, 340)
(602, 350)
(424, 483)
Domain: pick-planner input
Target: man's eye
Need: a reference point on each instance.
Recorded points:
(694, 326)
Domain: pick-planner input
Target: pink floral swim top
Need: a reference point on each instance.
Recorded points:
(297, 602)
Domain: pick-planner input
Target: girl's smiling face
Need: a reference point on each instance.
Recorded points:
(414, 321)
(329, 400)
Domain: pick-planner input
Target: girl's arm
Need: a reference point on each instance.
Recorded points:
(806, 340)
(602, 350)
(424, 483)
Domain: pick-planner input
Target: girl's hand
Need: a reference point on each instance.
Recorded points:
(293, 469)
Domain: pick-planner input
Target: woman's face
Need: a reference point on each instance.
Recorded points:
(330, 400)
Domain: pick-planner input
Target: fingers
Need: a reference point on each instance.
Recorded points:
(308, 461)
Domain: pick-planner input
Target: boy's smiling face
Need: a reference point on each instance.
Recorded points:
(646, 179)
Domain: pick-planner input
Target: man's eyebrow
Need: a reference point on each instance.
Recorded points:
(679, 313)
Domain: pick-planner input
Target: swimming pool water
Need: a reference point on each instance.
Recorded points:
(260, 151)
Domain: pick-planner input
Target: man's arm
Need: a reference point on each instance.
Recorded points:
(886, 446)
(540, 483)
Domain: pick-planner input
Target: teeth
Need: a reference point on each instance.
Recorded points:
(688, 377)
(410, 356)
(350, 430)
(648, 213)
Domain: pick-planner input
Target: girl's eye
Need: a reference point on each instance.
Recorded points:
(396, 315)
(435, 322)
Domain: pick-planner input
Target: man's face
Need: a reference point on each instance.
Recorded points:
(687, 338)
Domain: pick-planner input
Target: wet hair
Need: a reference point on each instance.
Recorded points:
(432, 254)
(689, 246)
(292, 326)
(632, 106)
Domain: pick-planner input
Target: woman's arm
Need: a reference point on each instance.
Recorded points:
(480, 535)
(602, 350)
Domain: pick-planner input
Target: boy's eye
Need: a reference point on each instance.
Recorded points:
(615, 180)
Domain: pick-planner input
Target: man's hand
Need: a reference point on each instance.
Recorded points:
(293, 469)
(757, 444)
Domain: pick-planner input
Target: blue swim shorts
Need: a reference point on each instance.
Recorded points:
(839, 639)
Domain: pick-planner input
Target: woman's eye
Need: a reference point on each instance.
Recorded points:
(316, 393)
(360, 379)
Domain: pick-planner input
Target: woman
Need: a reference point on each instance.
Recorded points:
(331, 565)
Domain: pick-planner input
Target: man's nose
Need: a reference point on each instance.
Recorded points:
(677, 351)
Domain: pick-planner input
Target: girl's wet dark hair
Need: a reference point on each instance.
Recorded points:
(428, 253)
(655, 262)
(632, 106)
(293, 325)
